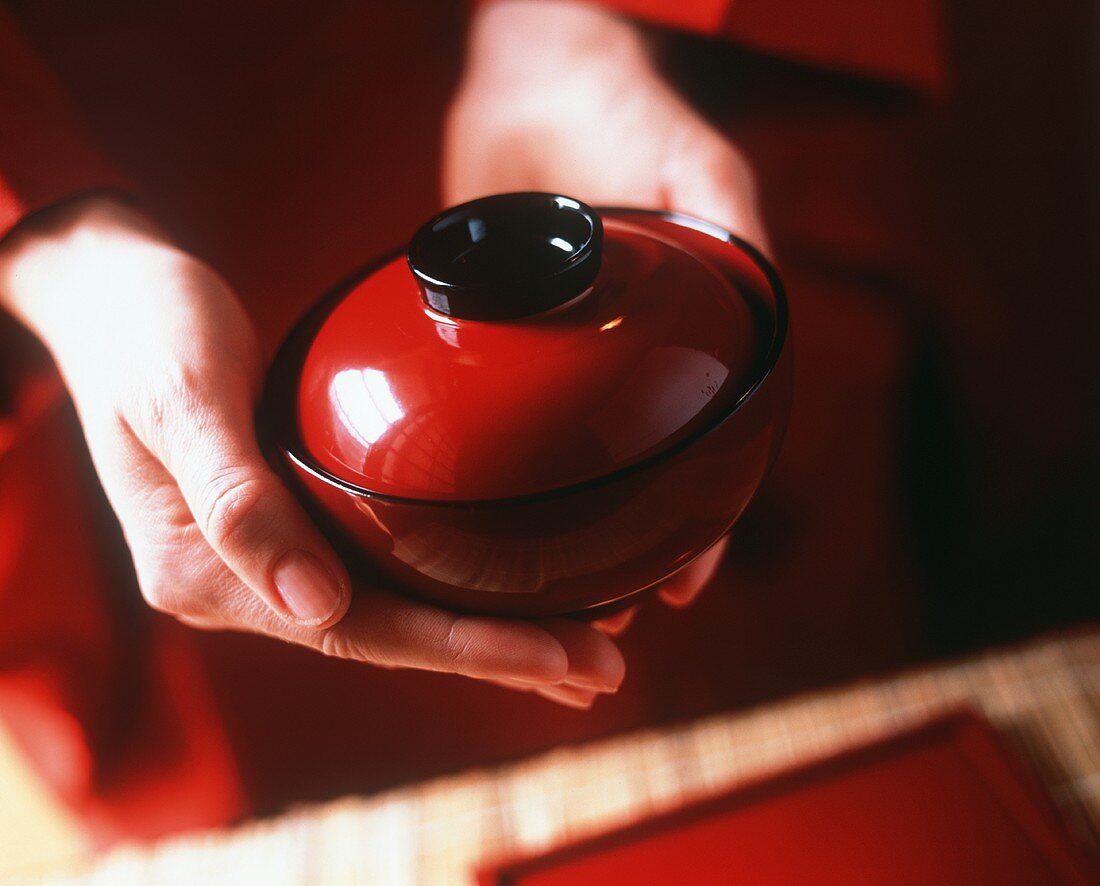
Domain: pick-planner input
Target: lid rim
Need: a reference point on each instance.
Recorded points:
(274, 423)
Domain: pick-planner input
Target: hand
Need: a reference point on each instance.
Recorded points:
(164, 368)
(678, 592)
(564, 97)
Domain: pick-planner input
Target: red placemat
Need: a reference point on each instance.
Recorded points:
(945, 803)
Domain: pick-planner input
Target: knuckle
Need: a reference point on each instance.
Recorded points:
(167, 597)
(376, 645)
(175, 586)
(152, 578)
(337, 643)
(167, 584)
(233, 499)
(158, 596)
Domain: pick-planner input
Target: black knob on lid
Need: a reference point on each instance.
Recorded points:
(506, 256)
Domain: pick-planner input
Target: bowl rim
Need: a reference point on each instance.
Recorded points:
(277, 428)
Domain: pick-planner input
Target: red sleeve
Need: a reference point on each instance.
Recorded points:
(885, 39)
(69, 648)
(703, 16)
(896, 41)
(43, 156)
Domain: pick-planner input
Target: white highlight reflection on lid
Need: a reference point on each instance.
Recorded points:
(365, 402)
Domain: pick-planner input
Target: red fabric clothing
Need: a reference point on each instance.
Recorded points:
(110, 707)
(286, 142)
(44, 154)
(893, 41)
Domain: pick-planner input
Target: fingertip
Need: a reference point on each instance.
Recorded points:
(611, 666)
(614, 625)
(677, 598)
(577, 697)
(594, 661)
(569, 696)
(686, 585)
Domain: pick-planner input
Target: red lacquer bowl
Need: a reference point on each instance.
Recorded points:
(539, 409)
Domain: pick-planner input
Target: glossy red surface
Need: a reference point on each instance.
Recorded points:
(944, 804)
(565, 548)
(405, 401)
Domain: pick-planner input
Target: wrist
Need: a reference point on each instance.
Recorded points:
(97, 281)
(71, 224)
(64, 258)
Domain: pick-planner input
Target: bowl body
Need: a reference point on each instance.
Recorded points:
(579, 549)
(564, 553)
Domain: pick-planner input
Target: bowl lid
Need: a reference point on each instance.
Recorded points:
(525, 343)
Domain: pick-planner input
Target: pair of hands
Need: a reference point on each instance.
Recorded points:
(556, 97)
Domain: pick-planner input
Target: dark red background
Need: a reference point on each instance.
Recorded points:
(937, 491)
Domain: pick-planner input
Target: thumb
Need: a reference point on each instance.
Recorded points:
(706, 176)
(203, 434)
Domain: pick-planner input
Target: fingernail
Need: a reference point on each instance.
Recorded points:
(605, 679)
(570, 697)
(568, 683)
(309, 590)
(600, 669)
(589, 686)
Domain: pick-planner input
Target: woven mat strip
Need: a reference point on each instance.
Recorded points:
(1045, 697)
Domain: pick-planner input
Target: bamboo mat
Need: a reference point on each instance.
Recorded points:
(1044, 697)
